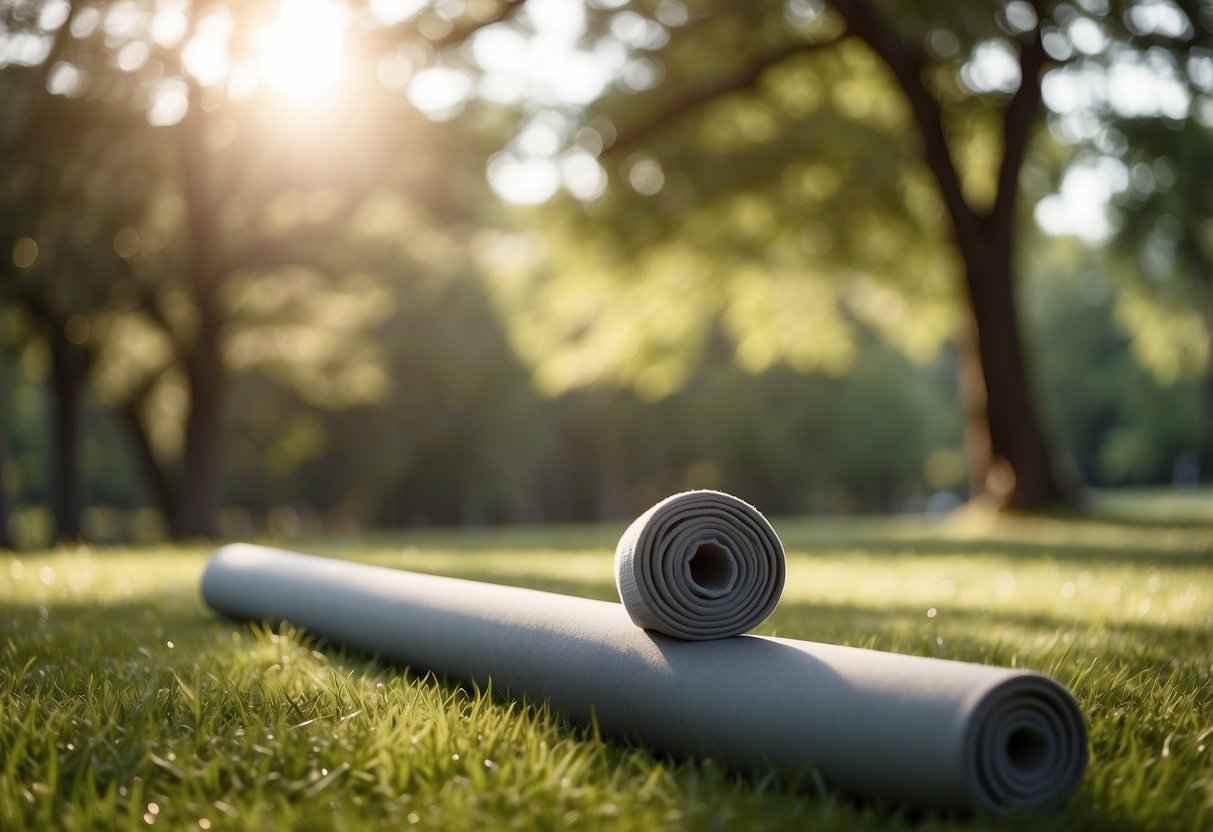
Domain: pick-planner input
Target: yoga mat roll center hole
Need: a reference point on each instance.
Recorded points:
(699, 565)
(713, 570)
(1028, 750)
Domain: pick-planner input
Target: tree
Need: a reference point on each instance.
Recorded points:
(199, 191)
(61, 265)
(719, 102)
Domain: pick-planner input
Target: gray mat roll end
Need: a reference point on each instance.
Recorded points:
(700, 565)
(1026, 745)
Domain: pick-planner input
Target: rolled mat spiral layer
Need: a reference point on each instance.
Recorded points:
(926, 732)
(699, 565)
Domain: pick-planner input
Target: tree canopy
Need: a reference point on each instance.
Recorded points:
(800, 169)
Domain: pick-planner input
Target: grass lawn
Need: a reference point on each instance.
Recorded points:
(125, 704)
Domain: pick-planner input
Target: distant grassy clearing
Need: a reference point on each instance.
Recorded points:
(125, 704)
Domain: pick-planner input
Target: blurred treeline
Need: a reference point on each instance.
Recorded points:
(227, 291)
(460, 435)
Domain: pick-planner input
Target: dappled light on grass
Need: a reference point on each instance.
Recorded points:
(140, 696)
(262, 729)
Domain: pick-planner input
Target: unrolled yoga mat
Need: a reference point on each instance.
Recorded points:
(926, 732)
(699, 565)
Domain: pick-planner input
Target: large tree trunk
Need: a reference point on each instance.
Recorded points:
(1009, 460)
(1010, 465)
(163, 490)
(66, 484)
(202, 461)
(202, 469)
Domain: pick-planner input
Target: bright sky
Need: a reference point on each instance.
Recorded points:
(550, 70)
(1134, 85)
(1079, 207)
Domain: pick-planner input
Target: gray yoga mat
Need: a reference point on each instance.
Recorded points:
(925, 732)
(699, 565)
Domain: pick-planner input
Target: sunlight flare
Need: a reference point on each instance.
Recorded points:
(302, 51)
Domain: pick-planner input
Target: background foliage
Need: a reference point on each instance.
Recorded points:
(320, 312)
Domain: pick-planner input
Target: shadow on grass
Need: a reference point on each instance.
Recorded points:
(201, 635)
(1144, 521)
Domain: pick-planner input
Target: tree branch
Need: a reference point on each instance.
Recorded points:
(1018, 119)
(868, 23)
(162, 485)
(704, 93)
(150, 307)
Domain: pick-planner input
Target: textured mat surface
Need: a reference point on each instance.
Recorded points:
(925, 732)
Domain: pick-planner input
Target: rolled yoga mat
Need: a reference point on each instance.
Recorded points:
(925, 732)
(700, 565)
